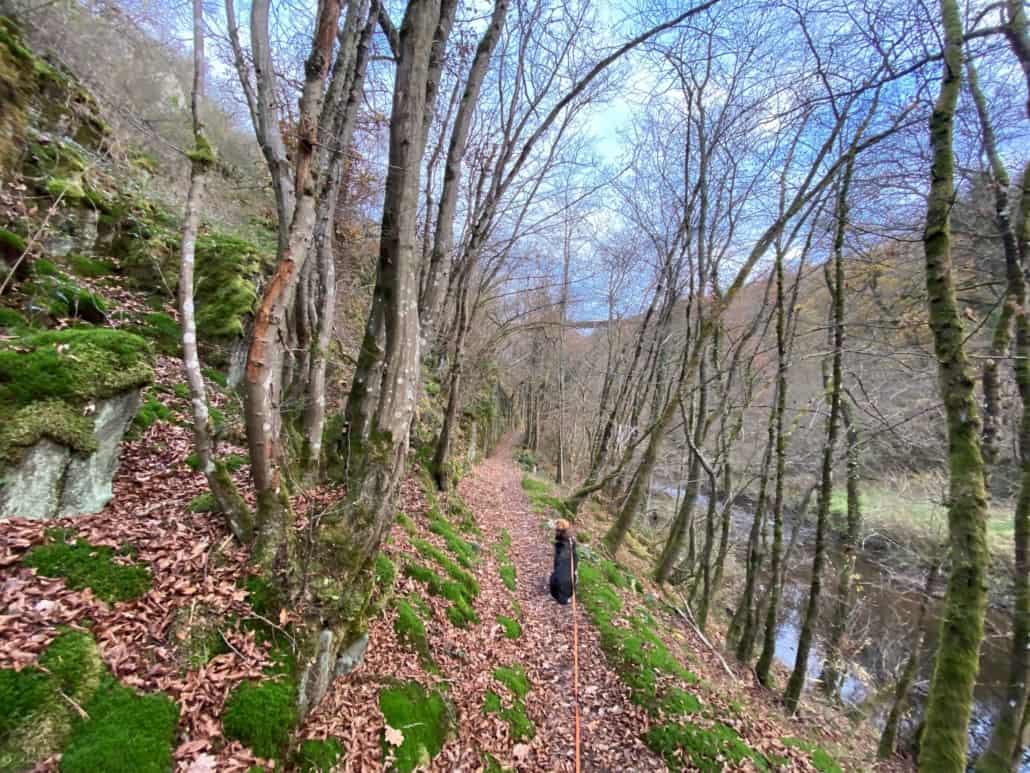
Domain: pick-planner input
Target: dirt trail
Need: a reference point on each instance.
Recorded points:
(611, 725)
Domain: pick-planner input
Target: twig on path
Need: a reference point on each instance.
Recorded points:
(688, 616)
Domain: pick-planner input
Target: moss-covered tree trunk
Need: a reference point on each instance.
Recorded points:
(949, 704)
(336, 598)
(1004, 745)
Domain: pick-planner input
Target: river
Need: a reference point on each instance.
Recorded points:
(880, 631)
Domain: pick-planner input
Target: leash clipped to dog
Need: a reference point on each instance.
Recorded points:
(575, 650)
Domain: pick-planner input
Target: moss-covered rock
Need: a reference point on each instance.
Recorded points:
(229, 272)
(422, 717)
(83, 565)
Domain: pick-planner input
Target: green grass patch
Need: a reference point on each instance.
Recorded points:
(512, 627)
(422, 717)
(215, 376)
(163, 331)
(82, 565)
(318, 755)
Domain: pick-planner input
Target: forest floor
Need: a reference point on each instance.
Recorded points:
(469, 665)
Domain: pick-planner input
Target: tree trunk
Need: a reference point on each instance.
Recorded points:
(889, 736)
(796, 683)
(385, 386)
(1004, 745)
(764, 666)
(949, 704)
(230, 503)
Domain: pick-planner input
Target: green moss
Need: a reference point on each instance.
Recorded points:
(124, 731)
(423, 717)
(216, 376)
(11, 245)
(163, 331)
(235, 462)
(514, 678)
(690, 747)
(406, 523)
(203, 503)
(87, 566)
(505, 567)
(819, 757)
(318, 755)
(460, 613)
(262, 595)
(151, 411)
(70, 189)
(520, 726)
(462, 515)
(512, 627)
(459, 575)
(182, 391)
(261, 715)
(77, 364)
(678, 702)
(12, 318)
(541, 499)
(492, 765)
(411, 630)
(463, 550)
(21, 694)
(86, 266)
(386, 573)
(67, 300)
(45, 267)
(52, 419)
(228, 270)
(36, 716)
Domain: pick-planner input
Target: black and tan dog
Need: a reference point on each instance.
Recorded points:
(563, 576)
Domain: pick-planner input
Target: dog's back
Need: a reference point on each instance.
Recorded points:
(563, 577)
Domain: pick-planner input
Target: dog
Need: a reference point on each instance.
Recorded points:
(563, 577)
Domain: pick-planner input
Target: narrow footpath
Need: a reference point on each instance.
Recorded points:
(463, 659)
(610, 724)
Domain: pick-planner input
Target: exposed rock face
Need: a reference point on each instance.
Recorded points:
(51, 481)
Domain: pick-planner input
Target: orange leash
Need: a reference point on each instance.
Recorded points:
(575, 650)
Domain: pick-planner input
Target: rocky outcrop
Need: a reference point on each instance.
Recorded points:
(52, 481)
